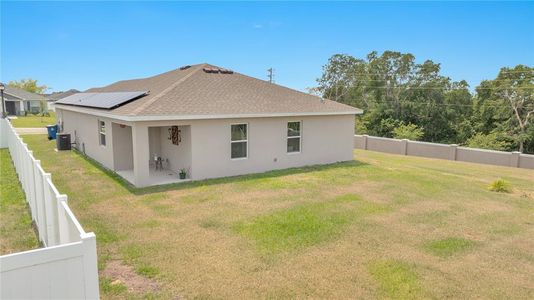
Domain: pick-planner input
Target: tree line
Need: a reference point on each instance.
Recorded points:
(405, 99)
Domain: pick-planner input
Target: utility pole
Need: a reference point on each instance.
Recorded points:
(4, 113)
(270, 75)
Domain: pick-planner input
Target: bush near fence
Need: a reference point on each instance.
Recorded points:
(444, 151)
(66, 268)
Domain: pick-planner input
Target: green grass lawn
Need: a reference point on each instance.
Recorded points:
(33, 121)
(16, 233)
(381, 226)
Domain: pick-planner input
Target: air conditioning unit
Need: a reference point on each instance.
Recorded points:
(63, 141)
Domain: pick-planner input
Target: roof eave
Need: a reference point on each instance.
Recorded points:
(22, 98)
(139, 118)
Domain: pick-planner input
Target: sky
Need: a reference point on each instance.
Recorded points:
(81, 45)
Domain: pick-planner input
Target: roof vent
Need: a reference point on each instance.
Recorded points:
(218, 70)
(211, 70)
(185, 67)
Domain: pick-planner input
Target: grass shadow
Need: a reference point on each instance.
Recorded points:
(207, 182)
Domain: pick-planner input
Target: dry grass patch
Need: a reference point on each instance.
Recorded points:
(296, 234)
(119, 278)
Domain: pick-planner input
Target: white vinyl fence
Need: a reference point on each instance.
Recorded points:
(66, 268)
(444, 151)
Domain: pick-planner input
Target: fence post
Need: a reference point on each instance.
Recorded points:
(63, 226)
(90, 266)
(514, 160)
(31, 177)
(405, 146)
(47, 211)
(38, 183)
(39, 206)
(453, 150)
(365, 136)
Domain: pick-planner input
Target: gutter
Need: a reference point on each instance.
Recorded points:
(198, 117)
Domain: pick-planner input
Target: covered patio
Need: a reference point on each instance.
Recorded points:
(154, 177)
(147, 156)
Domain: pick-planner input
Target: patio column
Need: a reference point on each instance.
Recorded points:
(140, 154)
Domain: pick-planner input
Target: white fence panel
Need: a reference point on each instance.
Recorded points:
(67, 267)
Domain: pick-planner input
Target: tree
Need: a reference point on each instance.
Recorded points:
(29, 85)
(506, 105)
(490, 141)
(339, 76)
(393, 89)
(409, 131)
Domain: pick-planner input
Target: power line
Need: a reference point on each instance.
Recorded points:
(390, 76)
(437, 104)
(443, 88)
(386, 79)
(515, 71)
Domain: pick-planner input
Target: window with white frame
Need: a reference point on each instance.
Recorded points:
(294, 132)
(102, 132)
(239, 141)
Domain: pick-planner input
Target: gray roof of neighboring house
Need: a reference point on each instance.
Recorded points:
(22, 94)
(60, 95)
(209, 90)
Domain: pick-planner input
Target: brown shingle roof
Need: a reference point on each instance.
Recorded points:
(60, 95)
(193, 91)
(22, 94)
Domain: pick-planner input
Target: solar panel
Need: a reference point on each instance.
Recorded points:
(108, 100)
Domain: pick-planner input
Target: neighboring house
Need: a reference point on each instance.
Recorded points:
(208, 121)
(52, 98)
(19, 101)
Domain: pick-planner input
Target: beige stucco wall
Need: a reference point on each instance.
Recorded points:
(325, 139)
(83, 129)
(122, 147)
(178, 156)
(205, 147)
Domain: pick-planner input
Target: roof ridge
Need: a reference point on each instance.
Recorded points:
(162, 93)
(294, 90)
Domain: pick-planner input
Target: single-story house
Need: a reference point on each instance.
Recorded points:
(206, 121)
(53, 97)
(19, 101)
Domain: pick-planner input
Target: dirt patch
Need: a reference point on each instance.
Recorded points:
(120, 273)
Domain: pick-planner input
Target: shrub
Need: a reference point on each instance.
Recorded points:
(500, 186)
(490, 141)
(410, 131)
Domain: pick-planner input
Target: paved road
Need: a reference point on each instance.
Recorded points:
(31, 130)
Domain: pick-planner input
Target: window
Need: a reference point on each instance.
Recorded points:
(102, 132)
(293, 137)
(239, 142)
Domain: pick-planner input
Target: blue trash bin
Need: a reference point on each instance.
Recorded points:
(52, 131)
